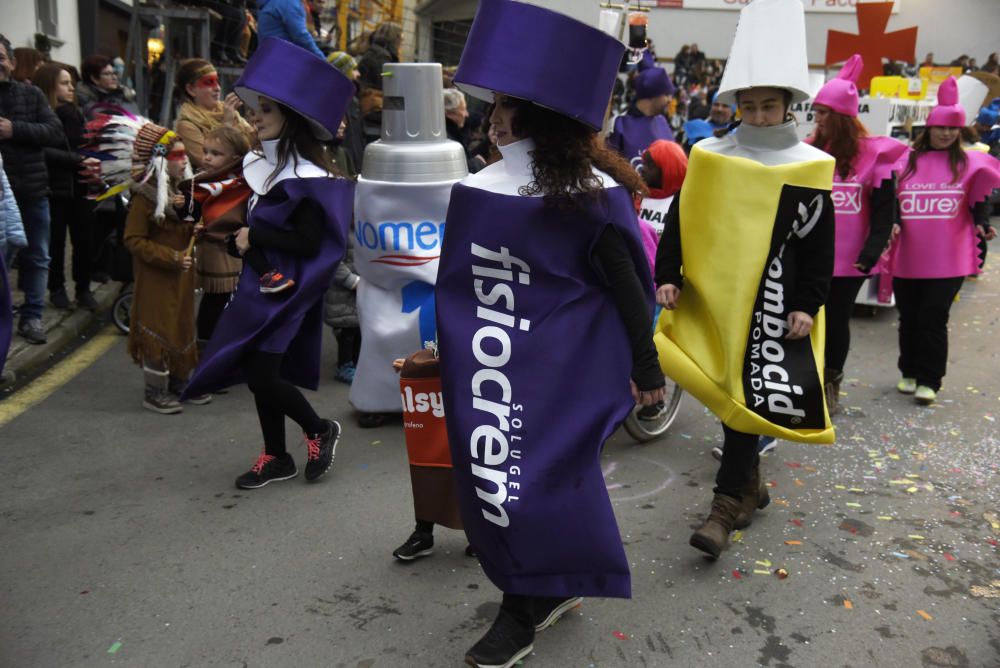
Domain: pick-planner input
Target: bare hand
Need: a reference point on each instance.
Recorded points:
(186, 262)
(799, 325)
(667, 296)
(896, 229)
(243, 240)
(230, 109)
(199, 229)
(177, 200)
(988, 234)
(862, 268)
(647, 397)
(6, 128)
(90, 171)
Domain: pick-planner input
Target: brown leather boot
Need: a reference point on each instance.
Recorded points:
(755, 497)
(713, 536)
(831, 387)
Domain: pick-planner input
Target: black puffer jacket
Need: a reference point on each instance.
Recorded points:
(63, 162)
(35, 127)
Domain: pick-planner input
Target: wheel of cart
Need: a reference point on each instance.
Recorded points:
(646, 423)
(121, 309)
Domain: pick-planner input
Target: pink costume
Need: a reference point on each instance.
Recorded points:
(938, 238)
(871, 166)
(852, 198)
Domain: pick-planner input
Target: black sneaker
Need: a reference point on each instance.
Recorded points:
(506, 643)
(548, 610)
(59, 299)
(267, 468)
(652, 412)
(417, 545)
(32, 330)
(321, 450)
(87, 300)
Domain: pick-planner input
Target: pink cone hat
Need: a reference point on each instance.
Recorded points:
(948, 112)
(841, 94)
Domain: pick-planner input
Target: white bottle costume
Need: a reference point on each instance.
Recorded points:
(400, 205)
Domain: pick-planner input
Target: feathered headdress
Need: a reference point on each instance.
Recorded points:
(132, 150)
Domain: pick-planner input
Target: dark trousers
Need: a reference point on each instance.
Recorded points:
(74, 215)
(257, 260)
(839, 306)
(348, 345)
(924, 305)
(276, 398)
(209, 312)
(739, 457)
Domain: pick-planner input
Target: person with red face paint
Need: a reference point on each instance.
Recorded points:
(202, 110)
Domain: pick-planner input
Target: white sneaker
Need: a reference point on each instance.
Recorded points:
(925, 395)
(907, 385)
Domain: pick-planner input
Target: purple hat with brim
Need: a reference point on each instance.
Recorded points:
(538, 55)
(299, 80)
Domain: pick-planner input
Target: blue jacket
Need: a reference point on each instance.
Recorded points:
(286, 19)
(11, 227)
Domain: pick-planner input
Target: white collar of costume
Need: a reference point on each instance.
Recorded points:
(259, 165)
(507, 176)
(771, 146)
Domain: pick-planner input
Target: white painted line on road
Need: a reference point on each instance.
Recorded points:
(63, 372)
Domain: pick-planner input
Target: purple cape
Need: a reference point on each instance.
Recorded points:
(288, 322)
(634, 133)
(6, 314)
(535, 365)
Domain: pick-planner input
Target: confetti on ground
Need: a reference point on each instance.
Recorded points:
(115, 646)
(620, 635)
(914, 536)
(886, 518)
(764, 562)
(781, 573)
(949, 556)
(758, 571)
(853, 505)
(925, 615)
(737, 574)
(797, 522)
(793, 542)
(737, 536)
(848, 604)
(900, 555)
(990, 591)
(376, 442)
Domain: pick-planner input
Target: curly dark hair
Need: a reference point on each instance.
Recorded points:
(566, 151)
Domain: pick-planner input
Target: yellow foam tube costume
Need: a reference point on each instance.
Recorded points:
(727, 213)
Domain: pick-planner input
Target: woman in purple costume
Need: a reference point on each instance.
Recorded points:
(298, 216)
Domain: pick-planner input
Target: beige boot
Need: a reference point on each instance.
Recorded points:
(713, 536)
(755, 497)
(157, 397)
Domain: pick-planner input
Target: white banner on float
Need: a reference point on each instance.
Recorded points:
(820, 6)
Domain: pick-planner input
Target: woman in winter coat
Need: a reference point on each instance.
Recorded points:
(69, 206)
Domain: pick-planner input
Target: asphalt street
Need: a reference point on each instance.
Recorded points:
(123, 541)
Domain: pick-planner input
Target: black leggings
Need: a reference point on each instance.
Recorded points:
(74, 215)
(209, 312)
(924, 306)
(276, 398)
(348, 345)
(739, 456)
(839, 306)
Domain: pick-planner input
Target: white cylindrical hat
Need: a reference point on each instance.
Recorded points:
(769, 50)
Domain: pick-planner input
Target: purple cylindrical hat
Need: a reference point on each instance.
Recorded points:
(542, 56)
(653, 82)
(841, 93)
(948, 112)
(299, 80)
